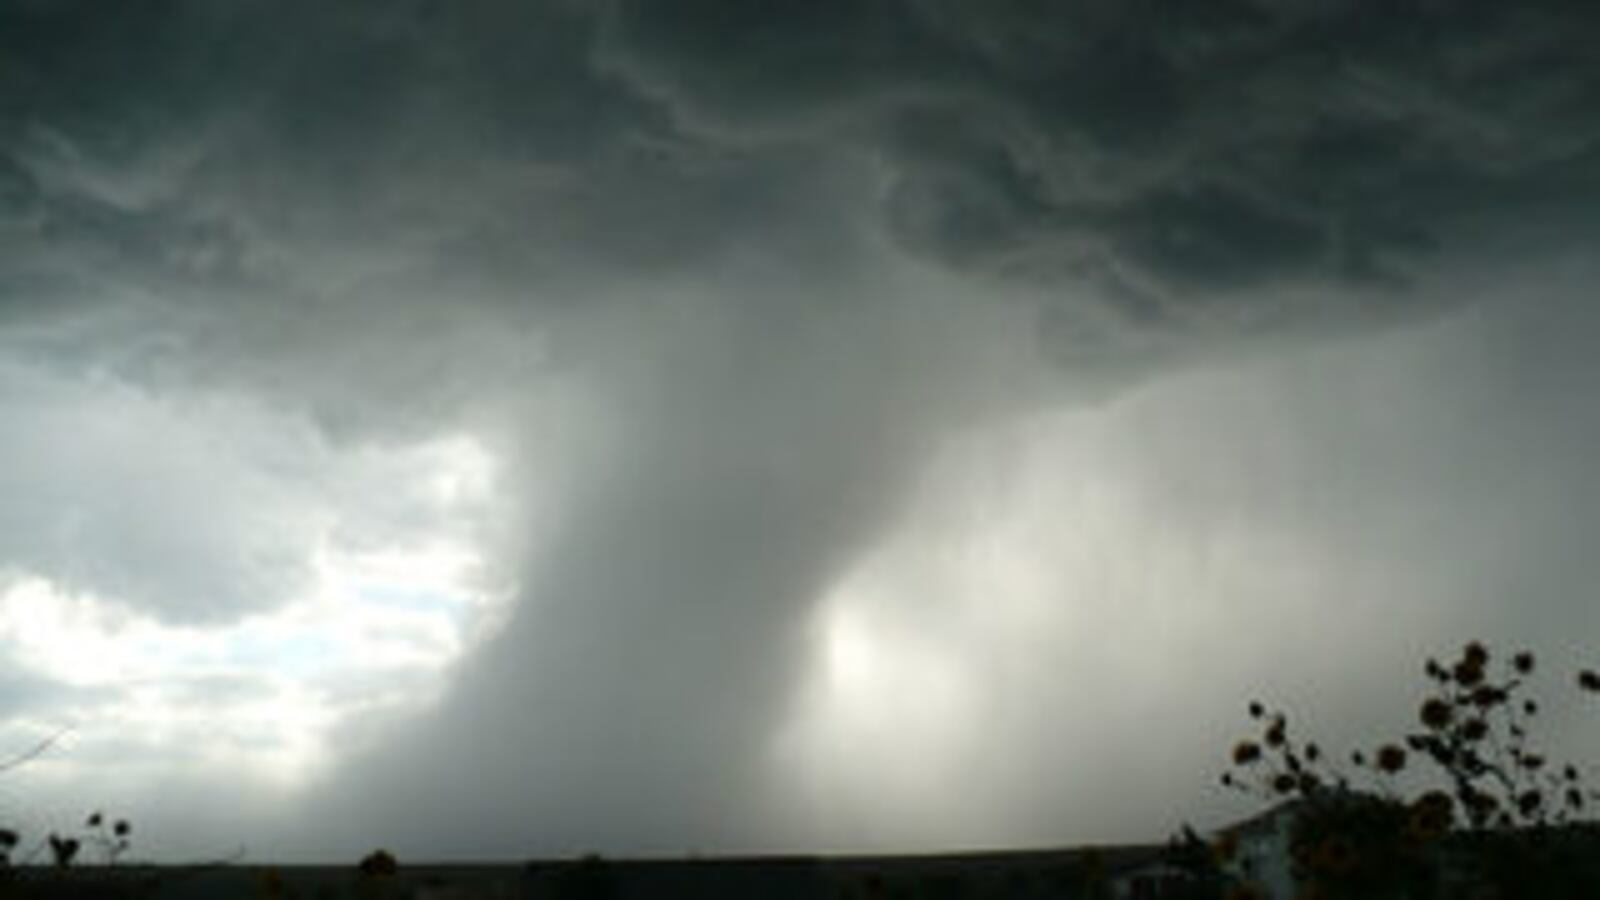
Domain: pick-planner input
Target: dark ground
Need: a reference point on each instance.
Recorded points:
(1056, 874)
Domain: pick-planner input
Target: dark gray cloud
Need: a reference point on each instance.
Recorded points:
(1191, 167)
(713, 279)
(1181, 159)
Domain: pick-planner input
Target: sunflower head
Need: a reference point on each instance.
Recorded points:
(1391, 758)
(1436, 713)
(1430, 816)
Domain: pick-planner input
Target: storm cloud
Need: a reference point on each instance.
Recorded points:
(720, 288)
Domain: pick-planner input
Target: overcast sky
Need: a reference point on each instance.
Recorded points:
(506, 429)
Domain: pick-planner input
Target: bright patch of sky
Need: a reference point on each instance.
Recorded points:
(395, 593)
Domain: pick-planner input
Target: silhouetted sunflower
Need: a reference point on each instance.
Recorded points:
(1391, 758)
(1528, 802)
(1275, 733)
(1480, 806)
(1436, 713)
(1431, 816)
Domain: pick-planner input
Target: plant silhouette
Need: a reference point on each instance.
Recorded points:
(1496, 816)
